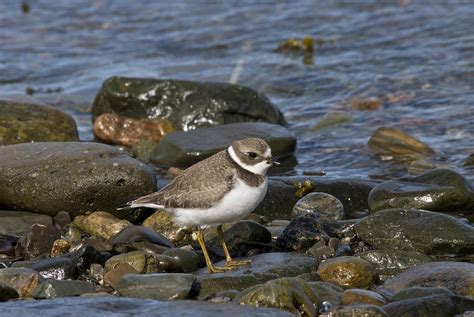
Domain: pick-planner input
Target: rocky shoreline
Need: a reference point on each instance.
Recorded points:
(319, 246)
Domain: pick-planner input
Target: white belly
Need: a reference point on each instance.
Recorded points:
(235, 205)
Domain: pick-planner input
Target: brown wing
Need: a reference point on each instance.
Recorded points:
(199, 186)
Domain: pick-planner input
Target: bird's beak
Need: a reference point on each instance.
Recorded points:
(273, 162)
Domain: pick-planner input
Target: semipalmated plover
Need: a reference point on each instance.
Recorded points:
(223, 188)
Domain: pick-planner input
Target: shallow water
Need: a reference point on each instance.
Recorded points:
(417, 59)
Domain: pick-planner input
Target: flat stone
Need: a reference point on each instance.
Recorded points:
(113, 276)
(18, 222)
(75, 177)
(23, 280)
(54, 288)
(100, 306)
(38, 240)
(140, 233)
(189, 105)
(184, 148)
(456, 276)
(59, 268)
(157, 286)
(416, 230)
(437, 190)
(264, 267)
(347, 272)
(325, 206)
(22, 122)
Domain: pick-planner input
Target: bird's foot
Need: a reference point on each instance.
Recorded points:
(219, 269)
(235, 263)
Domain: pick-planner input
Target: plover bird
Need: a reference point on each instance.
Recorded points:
(223, 188)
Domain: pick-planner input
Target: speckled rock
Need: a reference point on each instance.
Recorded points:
(189, 105)
(54, 288)
(456, 276)
(37, 241)
(347, 272)
(141, 261)
(101, 224)
(184, 148)
(361, 296)
(162, 222)
(416, 230)
(288, 293)
(157, 286)
(22, 122)
(23, 280)
(437, 190)
(74, 176)
(18, 222)
(326, 206)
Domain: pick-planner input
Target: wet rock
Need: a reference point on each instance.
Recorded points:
(162, 222)
(456, 276)
(288, 293)
(187, 260)
(23, 122)
(147, 246)
(140, 233)
(7, 244)
(99, 306)
(327, 292)
(280, 198)
(101, 224)
(113, 276)
(326, 206)
(416, 230)
(264, 267)
(390, 143)
(23, 280)
(85, 256)
(36, 241)
(53, 288)
(59, 268)
(419, 291)
(242, 237)
(157, 286)
(189, 105)
(114, 129)
(18, 222)
(7, 292)
(80, 176)
(433, 306)
(360, 310)
(184, 148)
(62, 219)
(303, 232)
(141, 261)
(332, 119)
(362, 296)
(347, 272)
(436, 190)
(392, 262)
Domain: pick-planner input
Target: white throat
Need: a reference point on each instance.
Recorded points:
(259, 168)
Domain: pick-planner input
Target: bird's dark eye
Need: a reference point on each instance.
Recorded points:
(252, 155)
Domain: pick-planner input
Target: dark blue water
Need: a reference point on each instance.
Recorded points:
(418, 59)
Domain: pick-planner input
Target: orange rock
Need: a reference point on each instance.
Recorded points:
(364, 104)
(115, 129)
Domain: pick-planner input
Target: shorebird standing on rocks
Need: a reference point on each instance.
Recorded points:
(223, 188)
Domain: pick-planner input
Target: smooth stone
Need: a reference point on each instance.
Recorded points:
(281, 198)
(327, 292)
(18, 222)
(162, 222)
(81, 176)
(287, 293)
(185, 148)
(241, 237)
(430, 306)
(416, 230)
(391, 143)
(187, 260)
(157, 286)
(362, 296)
(22, 123)
(347, 272)
(137, 233)
(147, 246)
(388, 263)
(7, 292)
(37, 241)
(100, 306)
(264, 267)
(326, 206)
(62, 219)
(23, 280)
(331, 119)
(303, 232)
(456, 276)
(59, 268)
(436, 190)
(8, 245)
(101, 224)
(54, 288)
(420, 291)
(141, 261)
(189, 105)
(113, 276)
(359, 310)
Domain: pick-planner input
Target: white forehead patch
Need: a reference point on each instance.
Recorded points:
(259, 168)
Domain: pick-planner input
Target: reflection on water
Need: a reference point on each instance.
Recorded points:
(416, 59)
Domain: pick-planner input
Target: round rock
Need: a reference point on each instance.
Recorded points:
(347, 272)
(326, 206)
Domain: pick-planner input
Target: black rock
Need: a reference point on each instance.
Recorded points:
(59, 268)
